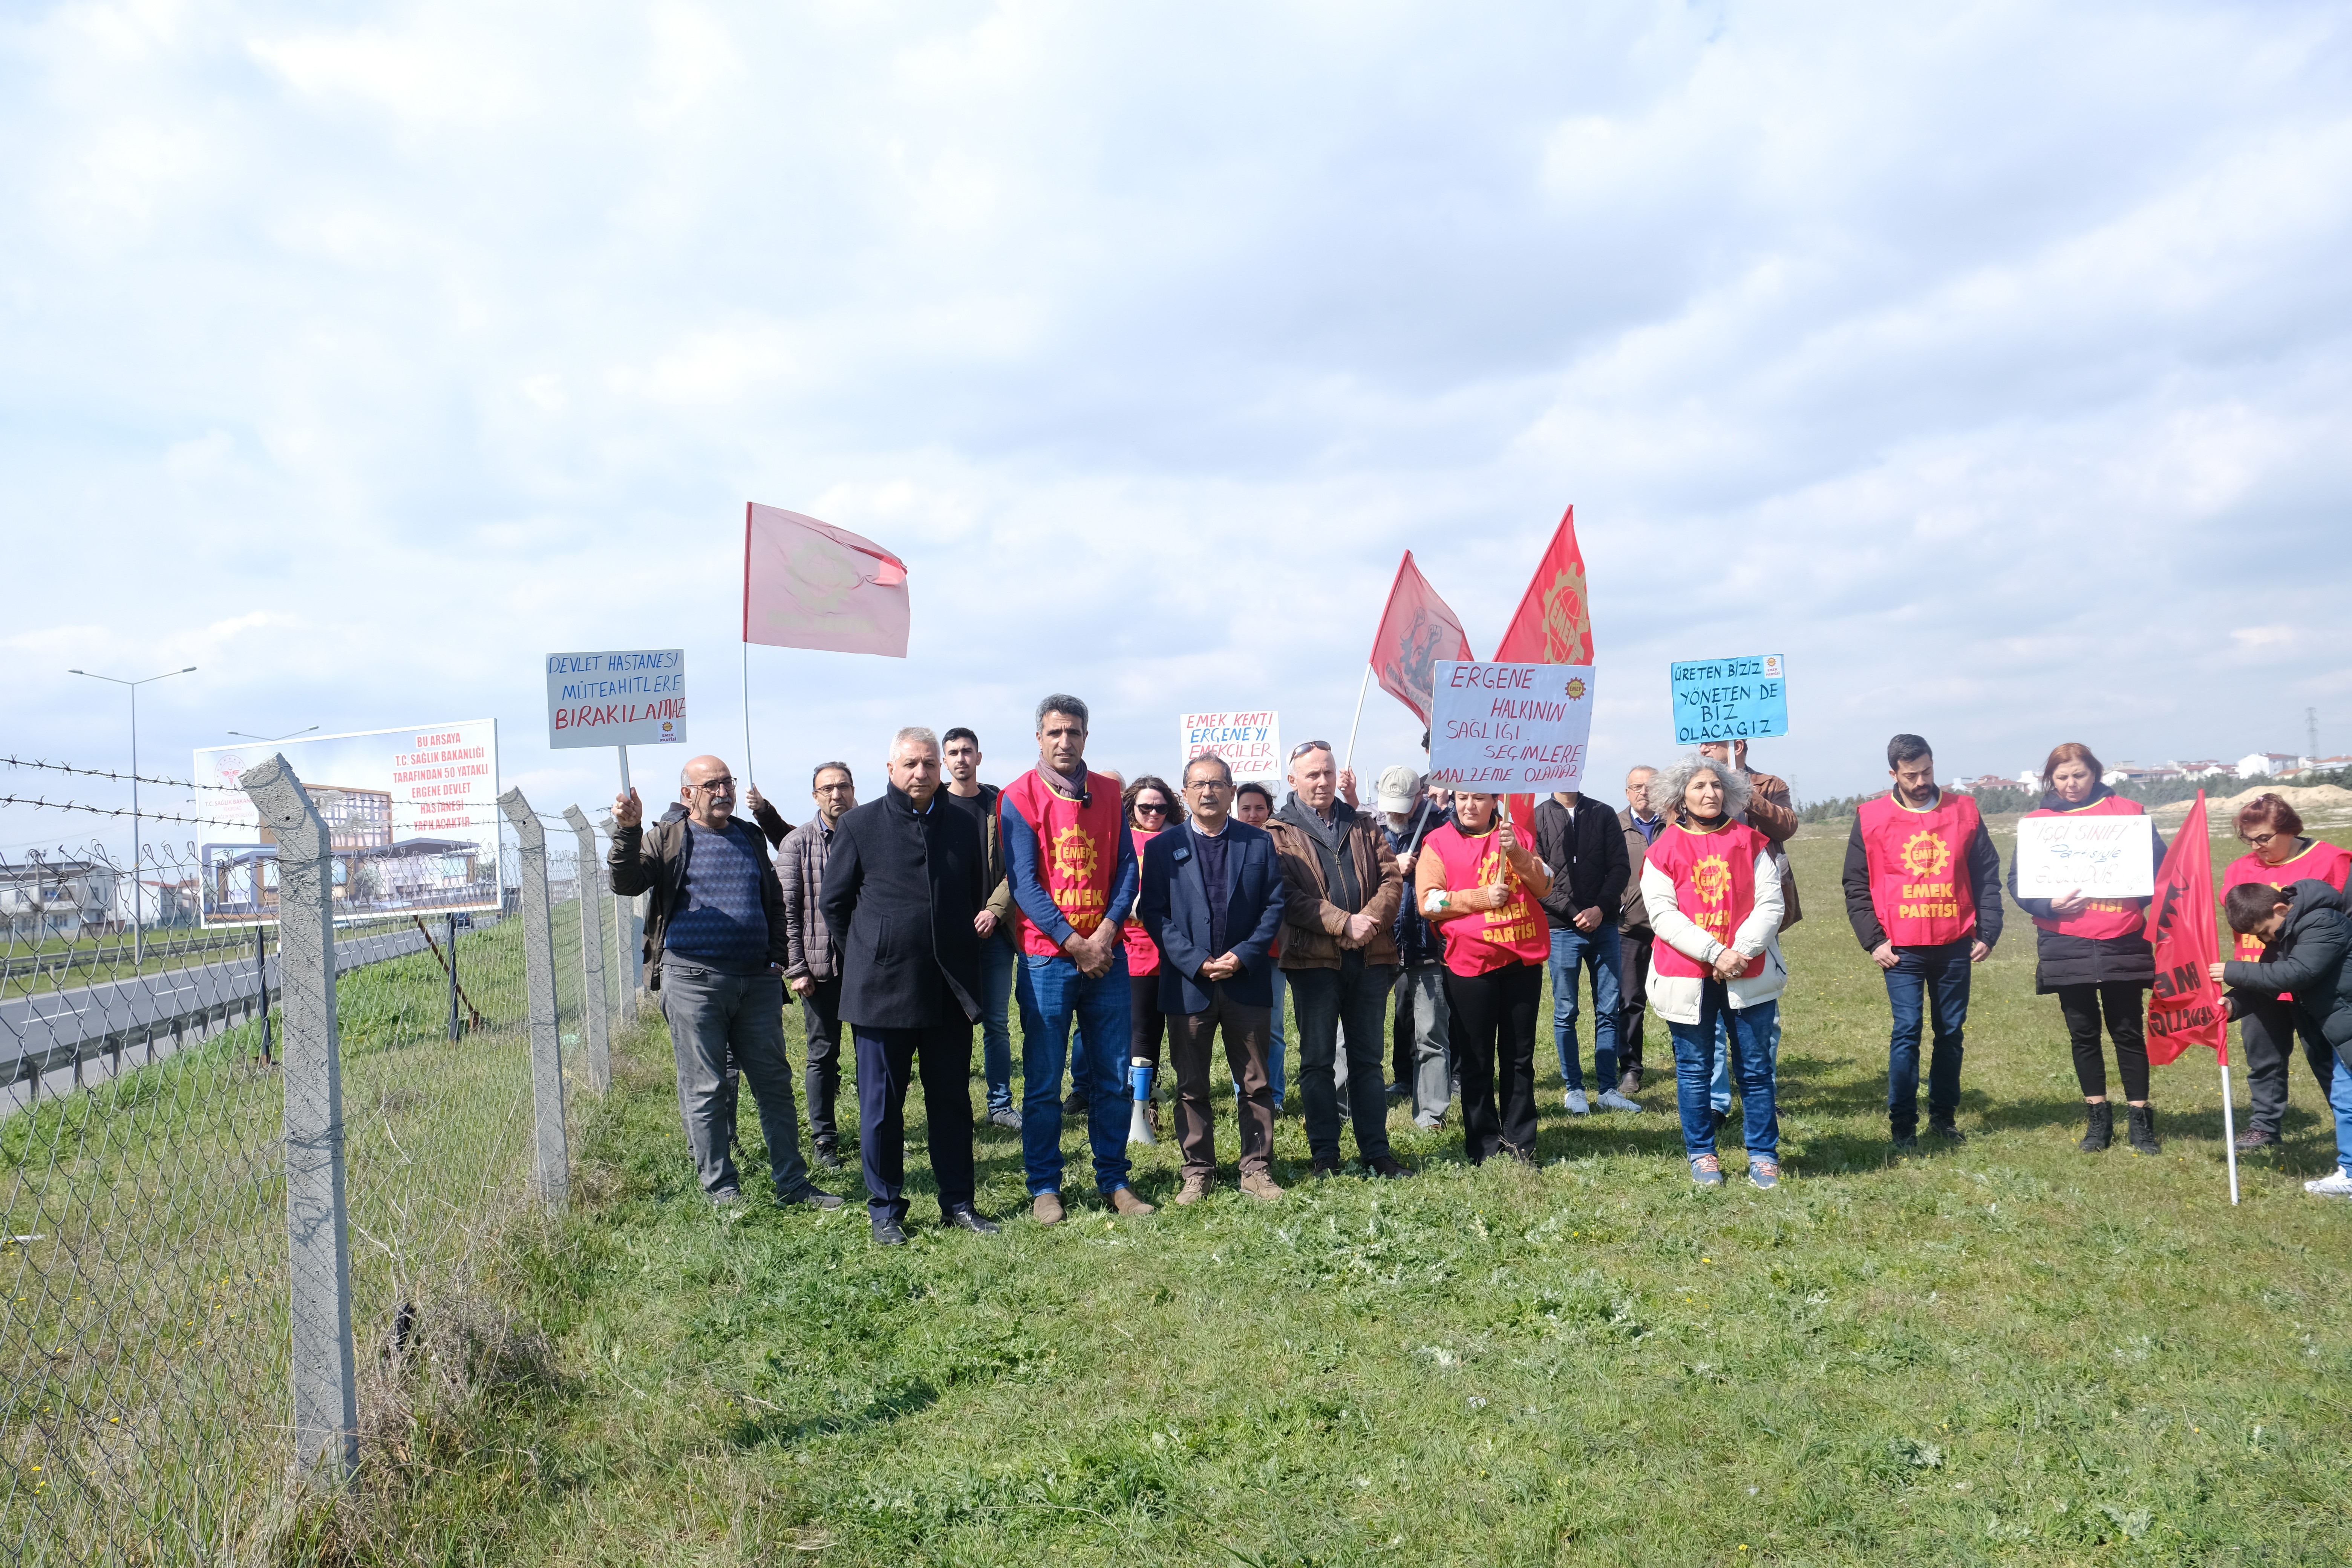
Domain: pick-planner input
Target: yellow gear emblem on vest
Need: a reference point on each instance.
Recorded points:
(1712, 877)
(1925, 855)
(1073, 855)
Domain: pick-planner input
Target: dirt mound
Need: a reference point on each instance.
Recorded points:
(2310, 802)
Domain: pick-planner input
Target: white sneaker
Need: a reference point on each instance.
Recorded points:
(1576, 1104)
(2336, 1184)
(1612, 1100)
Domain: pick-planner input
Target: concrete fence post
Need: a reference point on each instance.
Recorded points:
(592, 950)
(317, 1219)
(553, 1167)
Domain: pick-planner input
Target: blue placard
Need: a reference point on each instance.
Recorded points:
(1729, 698)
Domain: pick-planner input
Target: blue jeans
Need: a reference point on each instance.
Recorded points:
(997, 958)
(1572, 951)
(1754, 1038)
(1719, 1095)
(2339, 1101)
(1052, 997)
(1275, 1049)
(1926, 980)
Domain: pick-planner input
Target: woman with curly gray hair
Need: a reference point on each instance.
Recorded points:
(1713, 894)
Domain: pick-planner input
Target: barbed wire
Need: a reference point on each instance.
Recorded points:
(117, 776)
(45, 804)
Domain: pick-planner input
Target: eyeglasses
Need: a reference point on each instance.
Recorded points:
(1210, 783)
(1151, 809)
(1304, 747)
(723, 785)
(2261, 840)
(834, 788)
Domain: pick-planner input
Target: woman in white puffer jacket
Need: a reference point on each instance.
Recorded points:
(1713, 893)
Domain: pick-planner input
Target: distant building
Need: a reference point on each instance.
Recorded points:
(2202, 768)
(2262, 764)
(2138, 772)
(57, 898)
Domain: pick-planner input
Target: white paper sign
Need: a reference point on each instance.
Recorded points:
(1250, 742)
(2099, 857)
(1510, 729)
(628, 697)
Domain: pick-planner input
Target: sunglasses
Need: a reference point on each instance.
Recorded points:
(1151, 809)
(1304, 747)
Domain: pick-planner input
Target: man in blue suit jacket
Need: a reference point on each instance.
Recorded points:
(1211, 899)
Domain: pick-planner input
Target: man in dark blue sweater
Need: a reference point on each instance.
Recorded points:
(715, 942)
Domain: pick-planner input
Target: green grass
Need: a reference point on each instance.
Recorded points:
(144, 1337)
(2007, 1353)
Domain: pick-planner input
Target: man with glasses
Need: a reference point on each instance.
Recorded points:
(1073, 870)
(715, 937)
(1211, 900)
(812, 963)
(993, 922)
(1342, 889)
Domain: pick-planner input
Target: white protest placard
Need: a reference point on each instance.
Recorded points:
(1250, 742)
(629, 698)
(2098, 857)
(1510, 729)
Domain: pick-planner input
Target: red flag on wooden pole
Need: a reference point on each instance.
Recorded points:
(2185, 1007)
(1553, 625)
(1416, 630)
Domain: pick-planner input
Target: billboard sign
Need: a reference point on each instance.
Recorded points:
(412, 815)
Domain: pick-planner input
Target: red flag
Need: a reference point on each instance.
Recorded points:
(810, 585)
(1553, 625)
(2186, 1008)
(1416, 630)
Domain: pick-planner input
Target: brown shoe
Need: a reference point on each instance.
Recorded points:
(1195, 1188)
(1046, 1209)
(1125, 1201)
(1259, 1185)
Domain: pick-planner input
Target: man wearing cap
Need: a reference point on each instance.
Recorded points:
(1407, 815)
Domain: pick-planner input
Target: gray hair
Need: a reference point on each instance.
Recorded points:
(823, 768)
(916, 733)
(1666, 789)
(1063, 702)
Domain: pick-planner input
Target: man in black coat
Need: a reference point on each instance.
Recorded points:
(903, 879)
(2306, 950)
(1581, 841)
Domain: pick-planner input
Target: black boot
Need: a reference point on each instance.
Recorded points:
(2101, 1130)
(2143, 1131)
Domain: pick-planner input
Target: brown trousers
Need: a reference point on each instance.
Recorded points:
(1189, 1037)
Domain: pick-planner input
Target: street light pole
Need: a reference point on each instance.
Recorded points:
(138, 926)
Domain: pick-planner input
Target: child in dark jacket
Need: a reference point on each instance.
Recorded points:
(2306, 943)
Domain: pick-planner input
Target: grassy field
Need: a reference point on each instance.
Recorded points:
(2009, 1352)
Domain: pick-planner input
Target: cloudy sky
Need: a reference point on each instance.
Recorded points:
(1987, 361)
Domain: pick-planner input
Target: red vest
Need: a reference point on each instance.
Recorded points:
(2326, 861)
(2101, 918)
(1715, 885)
(1919, 882)
(1477, 943)
(1078, 853)
(1142, 953)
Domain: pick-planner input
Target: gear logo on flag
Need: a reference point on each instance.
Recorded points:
(1925, 855)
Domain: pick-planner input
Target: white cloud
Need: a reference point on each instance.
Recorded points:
(1992, 366)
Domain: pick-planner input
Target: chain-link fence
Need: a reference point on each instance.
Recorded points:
(218, 1210)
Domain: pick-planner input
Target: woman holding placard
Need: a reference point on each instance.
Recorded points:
(1479, 885)
(2094, 954)
(1712, 890)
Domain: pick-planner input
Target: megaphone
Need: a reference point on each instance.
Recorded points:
(1139, 1079)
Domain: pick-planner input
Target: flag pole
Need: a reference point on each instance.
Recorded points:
(1363, 687)
(747, 711)
(2230, 1132)
(624, 753)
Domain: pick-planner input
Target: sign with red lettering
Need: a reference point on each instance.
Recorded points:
(630, 698)
(1250, 742)
(411, 814)
(1510, 729)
